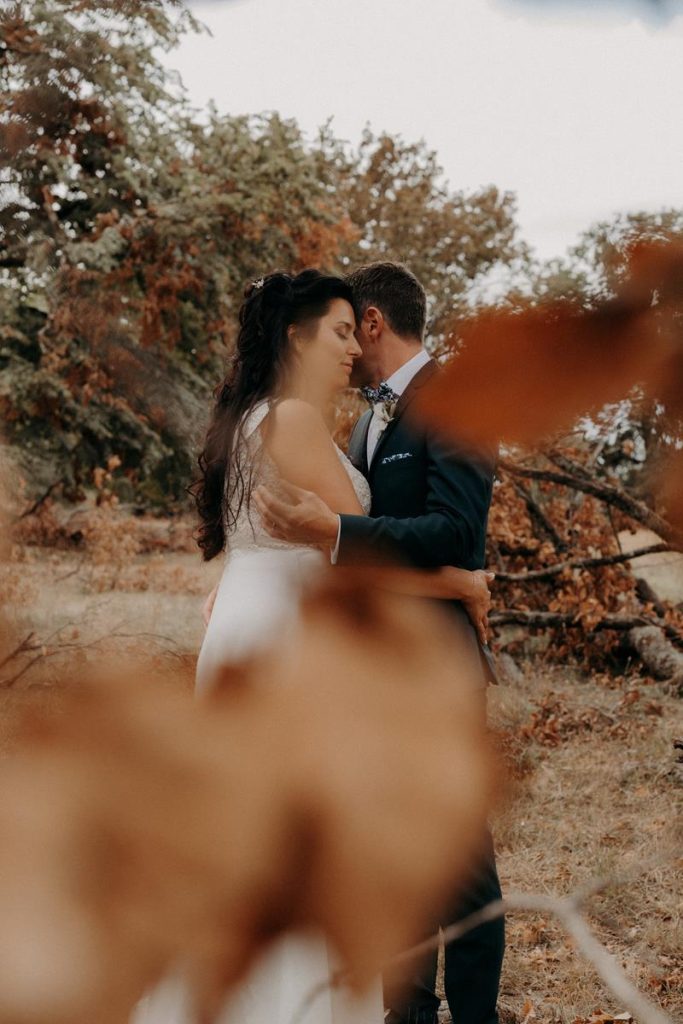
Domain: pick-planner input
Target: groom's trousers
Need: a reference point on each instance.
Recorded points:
(472, 963)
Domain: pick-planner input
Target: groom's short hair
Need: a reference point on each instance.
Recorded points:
(396, 292)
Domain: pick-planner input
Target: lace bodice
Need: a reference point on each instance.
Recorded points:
(249, 532)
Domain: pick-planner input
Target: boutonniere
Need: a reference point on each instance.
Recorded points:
(386, 410)
(383, 400)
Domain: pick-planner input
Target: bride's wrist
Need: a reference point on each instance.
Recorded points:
(469, 588)
(462, 583)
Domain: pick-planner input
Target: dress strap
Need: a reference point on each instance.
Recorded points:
(256, 417)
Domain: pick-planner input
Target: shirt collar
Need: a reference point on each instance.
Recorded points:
(400, 380)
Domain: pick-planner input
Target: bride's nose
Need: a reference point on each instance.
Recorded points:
(355, 349)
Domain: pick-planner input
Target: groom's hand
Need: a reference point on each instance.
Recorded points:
(303, 518)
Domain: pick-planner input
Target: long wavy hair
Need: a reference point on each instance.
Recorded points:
(271, 305)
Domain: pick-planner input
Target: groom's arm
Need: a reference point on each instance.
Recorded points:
(458, 496)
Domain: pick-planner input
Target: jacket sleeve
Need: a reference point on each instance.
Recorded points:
(450, 532)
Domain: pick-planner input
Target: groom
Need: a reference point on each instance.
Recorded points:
(430, 504)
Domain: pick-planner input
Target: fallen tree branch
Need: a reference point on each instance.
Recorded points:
(567, 465)
(517, 551)
(555, 620)
(548, 620)
(46, 650)
(610, 494)
(567, 911)
(647, 595)
(582, 563)
(659, 656)
(538, 516)
(43, 498)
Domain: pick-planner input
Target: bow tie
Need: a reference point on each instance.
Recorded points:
(377, 396)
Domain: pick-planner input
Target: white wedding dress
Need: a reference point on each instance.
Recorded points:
(257, 597)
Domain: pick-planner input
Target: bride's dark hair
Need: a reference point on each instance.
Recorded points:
(271, 305)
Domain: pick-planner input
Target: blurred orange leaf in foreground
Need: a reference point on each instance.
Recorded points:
(524, 375)
(341, 783)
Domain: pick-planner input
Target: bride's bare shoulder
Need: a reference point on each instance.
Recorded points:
(294, 417)
(301, 446)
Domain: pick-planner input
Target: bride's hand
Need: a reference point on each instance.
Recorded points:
(477, 599)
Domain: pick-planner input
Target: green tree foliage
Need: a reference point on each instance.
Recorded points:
(597, 265)
(84, 99)
(128, 229)
(601, 256)
(395, 194)
(86, 113)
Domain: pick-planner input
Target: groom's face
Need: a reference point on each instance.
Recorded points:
(365, 368)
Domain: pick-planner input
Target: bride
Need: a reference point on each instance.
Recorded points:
(295, 352)
(272, 420)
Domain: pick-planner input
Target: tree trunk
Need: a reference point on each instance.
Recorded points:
(658, 655)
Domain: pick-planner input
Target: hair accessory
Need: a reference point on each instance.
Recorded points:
(258, 284)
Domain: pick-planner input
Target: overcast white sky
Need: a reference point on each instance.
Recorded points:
(579, 113)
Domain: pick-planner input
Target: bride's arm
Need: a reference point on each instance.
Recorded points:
(448, 583)
(298, 441)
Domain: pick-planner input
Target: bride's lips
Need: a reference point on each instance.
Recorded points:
(348, 366)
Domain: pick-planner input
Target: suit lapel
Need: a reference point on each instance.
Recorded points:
(358, 444)
(419, 380)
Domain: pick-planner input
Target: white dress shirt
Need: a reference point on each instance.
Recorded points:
(398, 382)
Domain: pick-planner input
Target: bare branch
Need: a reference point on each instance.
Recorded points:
(608, 493)
(39, 501)
(550, 620)
(44, 651)
(571, 466)
(21, 648)
(517, 550)
(73, 572)
(539, 517)
(567, 911)
(582, 563)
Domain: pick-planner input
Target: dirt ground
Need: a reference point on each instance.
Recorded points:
(595, 791)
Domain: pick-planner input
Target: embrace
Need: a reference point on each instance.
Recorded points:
(281, 498)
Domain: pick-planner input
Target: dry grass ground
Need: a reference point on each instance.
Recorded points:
(597, 794)
(595, 790)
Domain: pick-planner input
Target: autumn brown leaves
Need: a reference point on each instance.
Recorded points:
(540, 379)
(526, 375)
(144, 831)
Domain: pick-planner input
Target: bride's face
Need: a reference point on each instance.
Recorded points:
(326, 353)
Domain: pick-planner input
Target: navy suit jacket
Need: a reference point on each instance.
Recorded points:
(430, 499)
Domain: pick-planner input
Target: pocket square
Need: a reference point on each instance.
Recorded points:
(396, 458)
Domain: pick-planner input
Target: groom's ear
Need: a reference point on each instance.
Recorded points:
(373, 322)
